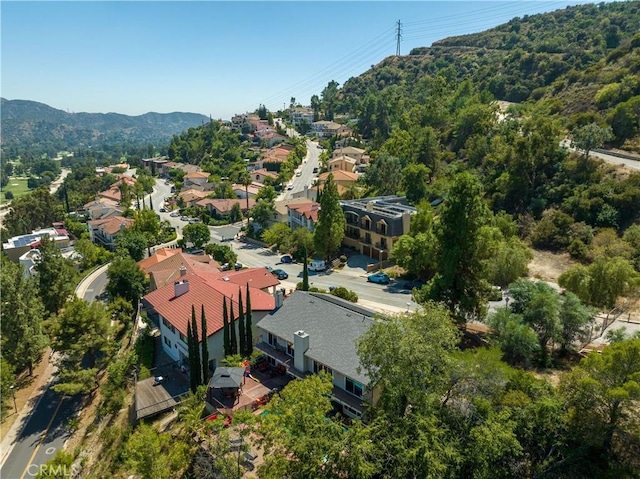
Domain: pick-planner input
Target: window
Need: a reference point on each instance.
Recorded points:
(290, 349)
(167, 342)
(183, 338)
(272, 340)
(168, 325)
(354, 387)
(317, 367)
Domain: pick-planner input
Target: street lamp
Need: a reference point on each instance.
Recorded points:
(13, 393)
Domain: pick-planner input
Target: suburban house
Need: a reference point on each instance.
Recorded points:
(105, 231)
(17, 246)
(375, 224)
(251, 190)
(114, 192)
(352, 152)
(342, 163)
(313, 332)
(258, 176)
(270, 137)
(300, 114)
(101, 208)
(155, 165)
(281, 211)
(165, 265)
(184, 167)
(327, 129)
(191, 196)
(170, 306)
(340, 178)
(197, 178)
(221, 208)
(303, 215)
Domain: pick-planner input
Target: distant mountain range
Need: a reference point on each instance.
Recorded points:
(41, 128)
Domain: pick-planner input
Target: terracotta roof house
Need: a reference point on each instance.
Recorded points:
(196, 177)
(102, 208)
(351, 151)
(105, 231)
(191, 196)
(258, 176)
(344, 163)
(220, 208)
(281, 212)
(165, 266)
(170, 306)
(251, 190)
(315, 332)
(340, 177)
(303, 215)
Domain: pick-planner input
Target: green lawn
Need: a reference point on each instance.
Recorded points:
(17, 187)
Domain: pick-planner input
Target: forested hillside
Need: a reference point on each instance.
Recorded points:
(29, 126)
(583, 61)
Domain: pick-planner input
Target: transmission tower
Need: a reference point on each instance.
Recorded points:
(398, 37)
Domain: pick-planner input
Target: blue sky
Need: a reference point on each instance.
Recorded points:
(216, 58)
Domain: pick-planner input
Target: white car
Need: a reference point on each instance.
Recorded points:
(317, 265)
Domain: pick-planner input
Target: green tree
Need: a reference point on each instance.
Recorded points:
(241, 333)
(262, 212)
(226, 329)
(233, 341)
(543, 316)
(126, 280)
(195, 372)
(155, 455)
(22, 339)
(7, 383)
(590, 137)
(249, 325)
(132, 242)
(278, 234)
(509, 262)
(575, 317)
(305, 272)
(190, 347)
(406, 357)
(415, 180)
(205, 348)
(81, 334)
(56, 276)
(602, 394)
(329, 230)
(92, 254)
(222, 253)
(197, 234)
(37, 209)
(517, 341)
(460, 281)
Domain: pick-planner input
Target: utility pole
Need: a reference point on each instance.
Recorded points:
(398, 37)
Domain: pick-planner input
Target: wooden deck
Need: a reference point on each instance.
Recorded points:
(152, 400)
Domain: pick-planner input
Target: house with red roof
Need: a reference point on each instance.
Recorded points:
(105, 231)
(258, 176)
(170, 306)
(303, 215)
(221, 208)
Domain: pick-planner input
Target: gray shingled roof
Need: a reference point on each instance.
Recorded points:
(333, 326)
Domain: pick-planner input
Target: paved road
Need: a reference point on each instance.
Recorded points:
(42, 436)
(307, 175)
(635, 164)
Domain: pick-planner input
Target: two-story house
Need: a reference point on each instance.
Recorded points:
(15, 247)
(221, 208)
(105, 231)
(170, 306)
(313, 332)
(303, 215)
(300, 114)
(375, 224)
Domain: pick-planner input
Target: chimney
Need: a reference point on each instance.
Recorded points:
(406, 222)
(369, 205)
(300, 347)
(279, 297)
(183, 270)
(180, 287)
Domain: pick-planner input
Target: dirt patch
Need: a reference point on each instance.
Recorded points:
(25, 387)
(548, 266)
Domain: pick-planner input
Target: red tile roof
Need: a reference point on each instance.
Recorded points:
(177, 310)
(256, 277)
(308, 210)
(112, 224)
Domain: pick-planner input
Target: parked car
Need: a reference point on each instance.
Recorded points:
(175, 214)
(184, 218)
(280, 274)
(315, 170)
(299, 173)
(238, 266)
(317, 265)
(287, 258)
(290, 187)
(194, 221)
(226, 267)
(379, 278)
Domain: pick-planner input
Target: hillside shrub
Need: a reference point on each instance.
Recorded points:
(345, 293)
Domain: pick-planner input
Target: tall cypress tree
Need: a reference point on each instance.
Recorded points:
(196, 370)
(226, 332)
(248, 326)
(328, 232)
(241, 336)
(232, 323)
(192, 378)
(205, 349)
